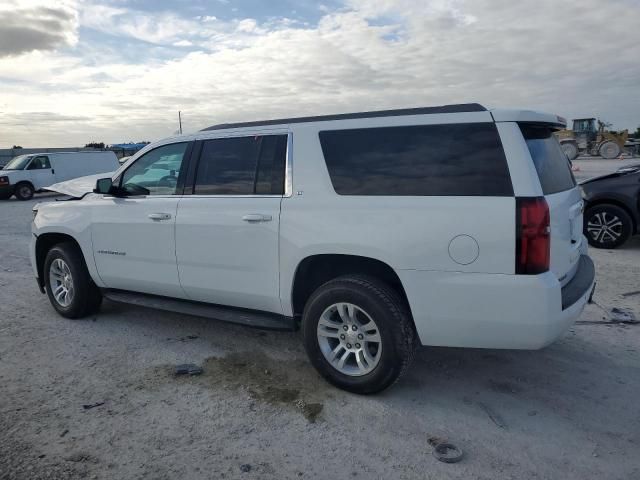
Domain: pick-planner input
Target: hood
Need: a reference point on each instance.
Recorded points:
(78, 186)
(618, 173)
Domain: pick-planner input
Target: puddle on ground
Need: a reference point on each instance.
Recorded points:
(289, 384)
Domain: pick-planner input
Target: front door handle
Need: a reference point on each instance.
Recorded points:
(256, 217)
(159, 216)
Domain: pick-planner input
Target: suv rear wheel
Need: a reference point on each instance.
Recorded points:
(68, 283)
(358, 333)
(607, 226)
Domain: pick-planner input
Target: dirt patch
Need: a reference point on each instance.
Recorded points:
(293, 385)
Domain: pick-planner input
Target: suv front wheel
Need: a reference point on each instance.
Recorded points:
(358, 334)
(68, 283)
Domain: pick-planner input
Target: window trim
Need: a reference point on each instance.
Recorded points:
(190, 184)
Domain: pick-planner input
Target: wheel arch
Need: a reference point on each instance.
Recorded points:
(315, 270)
(46, 242)
(24, 182)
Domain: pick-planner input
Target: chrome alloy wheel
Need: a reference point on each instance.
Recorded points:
(349, 339)
(61, 282)
(604, 227)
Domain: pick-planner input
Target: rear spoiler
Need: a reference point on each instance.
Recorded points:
(528, 116)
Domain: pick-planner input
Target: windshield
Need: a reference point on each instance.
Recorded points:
(18, 163)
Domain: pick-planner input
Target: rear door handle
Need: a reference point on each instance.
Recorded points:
(256, 217)
(159, 216)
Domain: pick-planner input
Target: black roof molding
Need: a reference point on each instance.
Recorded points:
(460, 108)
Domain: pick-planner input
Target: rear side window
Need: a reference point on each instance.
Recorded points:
(424, 160)
(552, 165)
(242, 166)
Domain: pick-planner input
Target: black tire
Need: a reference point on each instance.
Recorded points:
(391, 316)
(24, 191)
(619, 231)
(570, 149)
(87, 297)
(609, 150)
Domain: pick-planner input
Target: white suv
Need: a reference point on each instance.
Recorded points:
(452, 226)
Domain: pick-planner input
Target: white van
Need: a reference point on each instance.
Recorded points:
(26, 174)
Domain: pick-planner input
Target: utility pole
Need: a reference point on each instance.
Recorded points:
(180, 121)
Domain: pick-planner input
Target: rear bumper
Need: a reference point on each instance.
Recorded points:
(581, 282)
(481, 310)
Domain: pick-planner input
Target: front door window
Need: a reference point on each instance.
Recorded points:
(156, 172)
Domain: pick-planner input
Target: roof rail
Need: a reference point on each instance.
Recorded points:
(460, 108)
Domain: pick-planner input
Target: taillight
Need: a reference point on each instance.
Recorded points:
(533, 241)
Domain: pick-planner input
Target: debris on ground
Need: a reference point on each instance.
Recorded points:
(309, 410)
(495, 418)
(92, 405)
(622, 315)
(82, 457)
(188, 369)
(447, 452)
(245, 468)
(630, 294)
(615, 316)
(64, 433)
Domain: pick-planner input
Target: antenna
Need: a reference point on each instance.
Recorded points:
(180, 120)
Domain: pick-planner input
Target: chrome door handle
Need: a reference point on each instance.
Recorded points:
(256, 217)
(159, 216)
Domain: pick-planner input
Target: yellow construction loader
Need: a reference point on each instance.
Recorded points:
(585, 138)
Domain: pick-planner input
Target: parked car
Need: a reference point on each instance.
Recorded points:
(372, 232)
(612, 207)
(26, 174)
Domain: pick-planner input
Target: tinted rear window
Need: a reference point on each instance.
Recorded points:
(552, 165)
(423, 160)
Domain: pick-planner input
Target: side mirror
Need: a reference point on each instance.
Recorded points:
(103, 186)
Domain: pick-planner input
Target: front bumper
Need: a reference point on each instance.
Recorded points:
(480, 310)
(34, 263)
(6, 190)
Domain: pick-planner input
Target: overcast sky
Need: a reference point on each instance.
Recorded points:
(74, 71)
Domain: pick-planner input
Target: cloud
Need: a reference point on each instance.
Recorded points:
(29, 26)
(365, 55)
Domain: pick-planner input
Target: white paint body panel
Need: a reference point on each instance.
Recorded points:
(208, 253)
(131, 251)
(225, 260)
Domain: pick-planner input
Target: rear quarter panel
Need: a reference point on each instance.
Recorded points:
(405, 232)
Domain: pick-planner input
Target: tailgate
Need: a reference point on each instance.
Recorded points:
(562, 195)
(565, 210)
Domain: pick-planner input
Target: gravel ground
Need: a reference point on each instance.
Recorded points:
(570, 411)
